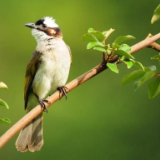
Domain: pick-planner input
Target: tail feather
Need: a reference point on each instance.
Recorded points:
(31, 137)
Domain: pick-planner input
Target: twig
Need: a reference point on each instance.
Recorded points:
(73, 84)
(153, 45)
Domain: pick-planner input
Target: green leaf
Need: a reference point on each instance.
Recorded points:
(147, 76)
(101, 49)
(128, 63)
(154, 87)
(156, 14)
(123, 53)
(125, 47)
(89, 37)
(90, 30)
(5, 120)
(94, 44)
(109, 51)
(132, 77)
(113, 67)
(156, 57)
(138, 64)
(114, 46)
(98, 35)
(3, 85)
(121, 39)
(3, 103)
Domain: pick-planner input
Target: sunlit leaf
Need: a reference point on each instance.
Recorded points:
(109, 51)
(156, 57)
(94, 44)
(3, 85)
(148, 75)
(98, 35)
(128, 63)
(5, 120)
(90, 30)
(123, 53)
(156, 14)
(113, 67)
(101, 49)
(132, 77)
(125, 48)
(114, 45)
(137, 64)
(121, 39)
(4, 104)
(89, 37)
(154, 87)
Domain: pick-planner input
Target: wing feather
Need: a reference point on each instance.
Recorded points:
(31, 70)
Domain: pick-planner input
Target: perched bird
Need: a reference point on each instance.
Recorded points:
(47, 71)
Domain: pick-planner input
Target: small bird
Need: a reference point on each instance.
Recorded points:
(47, 71)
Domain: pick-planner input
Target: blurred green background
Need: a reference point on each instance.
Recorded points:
(101, 120)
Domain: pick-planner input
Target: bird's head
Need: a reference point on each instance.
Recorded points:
(45, 28)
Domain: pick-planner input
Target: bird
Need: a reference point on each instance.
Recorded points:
(47, 71)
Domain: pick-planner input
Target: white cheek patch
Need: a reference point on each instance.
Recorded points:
(50, 22)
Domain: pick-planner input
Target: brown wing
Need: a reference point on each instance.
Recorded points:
(30, 73)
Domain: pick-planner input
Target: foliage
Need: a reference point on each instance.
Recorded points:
(156, 14)
(97, 41)
(4, 104)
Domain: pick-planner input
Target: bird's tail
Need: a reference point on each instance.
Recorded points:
(31, 136)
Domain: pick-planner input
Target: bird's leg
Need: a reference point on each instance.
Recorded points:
(62, 90)
(41, 102)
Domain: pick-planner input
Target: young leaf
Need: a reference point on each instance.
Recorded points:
(3, 103)
(101, 49)
(5, 120)
(128, 63)
(132, 77)
(90, 30)
(3, 85)
(89, 37)
(114, 46)
(121, 39)
(123, 53)
(146, 77)
(156, 14)
(125, 47)
(156, 57)
(138, 64)
(98, 35)
(113, 67)
(94, 44)
(154, 87)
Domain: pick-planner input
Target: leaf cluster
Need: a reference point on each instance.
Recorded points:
(98, 41)
(4, 104)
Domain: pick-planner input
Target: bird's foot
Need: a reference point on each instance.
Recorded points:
(43, 104)
(62, 90)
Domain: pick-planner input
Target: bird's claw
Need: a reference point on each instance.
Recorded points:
(62, 90)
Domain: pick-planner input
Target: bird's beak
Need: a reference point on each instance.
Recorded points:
(30, 25)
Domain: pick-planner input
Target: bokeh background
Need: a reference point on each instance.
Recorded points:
(101, 120)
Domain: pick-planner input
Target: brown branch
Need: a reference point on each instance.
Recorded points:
(72, 85)
(153, 45)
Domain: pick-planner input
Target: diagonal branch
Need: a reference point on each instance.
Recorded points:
(71, 85)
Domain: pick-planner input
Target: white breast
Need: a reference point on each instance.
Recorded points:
(54, 69)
